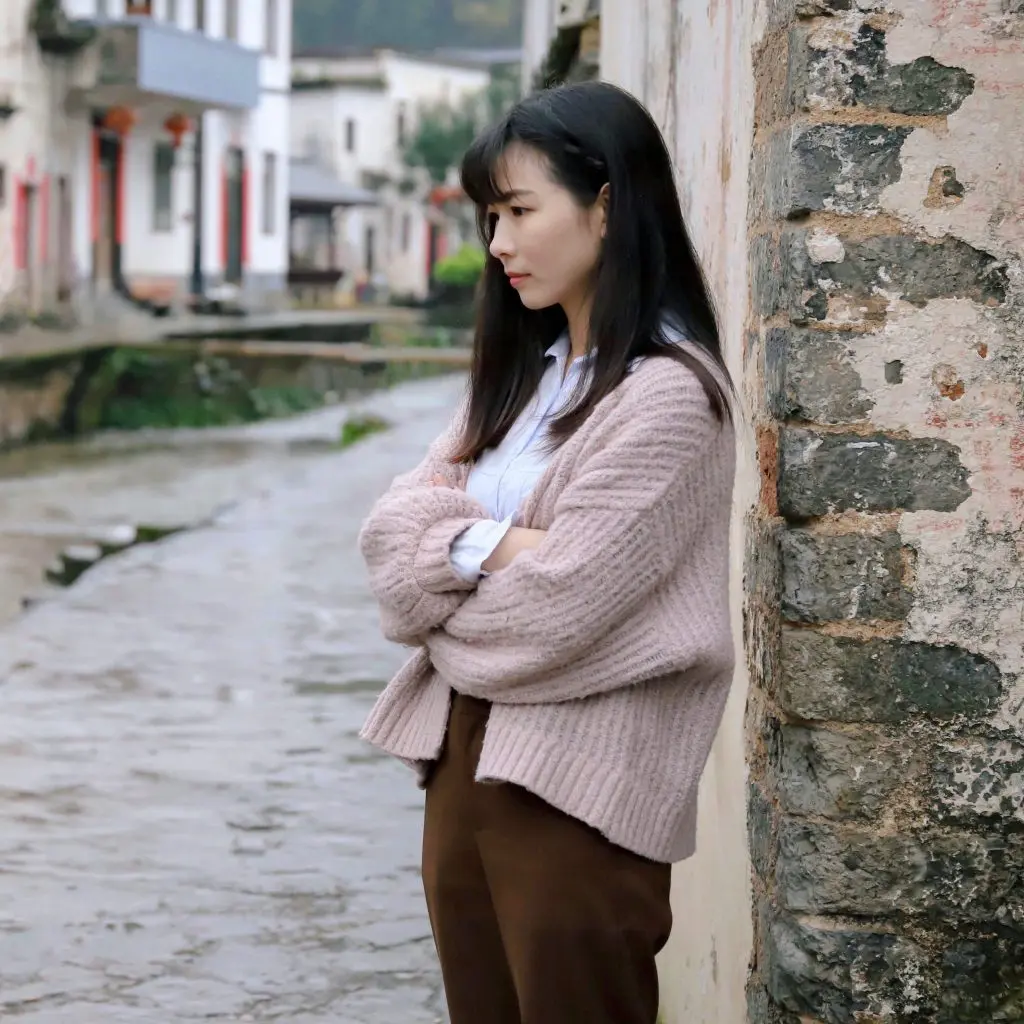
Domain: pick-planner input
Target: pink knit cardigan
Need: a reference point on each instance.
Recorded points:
(607, 653)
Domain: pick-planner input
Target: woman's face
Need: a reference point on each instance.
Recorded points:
(548, 244)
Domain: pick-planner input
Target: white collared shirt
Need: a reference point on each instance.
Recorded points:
(503, 477)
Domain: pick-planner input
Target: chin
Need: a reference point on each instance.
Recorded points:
(534, 300)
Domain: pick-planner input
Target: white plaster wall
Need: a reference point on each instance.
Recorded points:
(690, 63)
(538, 31)
(407, 270)
(317, 130)
(220, 130)
(409, 84)
(268, 132)
(80, 170)
(318, 120)
(418, 81)
(148, 253)
(371, 110)
(26, 148)
(310, 127)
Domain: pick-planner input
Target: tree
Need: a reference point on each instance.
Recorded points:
(444, 132)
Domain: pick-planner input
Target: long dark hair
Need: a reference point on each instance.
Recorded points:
(649, 287)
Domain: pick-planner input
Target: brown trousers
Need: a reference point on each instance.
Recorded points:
(537, 918)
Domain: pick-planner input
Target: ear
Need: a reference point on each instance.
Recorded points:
(602, 206)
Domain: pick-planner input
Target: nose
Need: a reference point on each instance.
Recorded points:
(501, 247)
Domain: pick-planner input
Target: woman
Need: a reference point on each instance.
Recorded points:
(559, 561)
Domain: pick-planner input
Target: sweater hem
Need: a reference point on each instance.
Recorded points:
(585, 789)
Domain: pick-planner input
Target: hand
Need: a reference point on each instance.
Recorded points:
(517, 540)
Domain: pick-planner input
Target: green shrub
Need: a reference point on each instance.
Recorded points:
(358, 427)
(462, 269)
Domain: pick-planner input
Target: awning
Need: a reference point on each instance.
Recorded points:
(313, 186)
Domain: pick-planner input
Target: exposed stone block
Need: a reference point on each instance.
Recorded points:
(762, 1010)
(837, 776)
(822, 473)
(761, 575)
(760, 830)
(855, 280)
(809, 375)
(829, 72)
(839, 168)
(982, 980)
(814, 8)
(949, 876)
(850, 576)
(769, 278)
(841, 976)
(844, 680)
(918, 270)
(845, 975)
(980, 780)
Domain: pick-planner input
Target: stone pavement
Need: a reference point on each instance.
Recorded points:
(190, 828)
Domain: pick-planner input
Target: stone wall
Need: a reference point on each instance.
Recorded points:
(885, 558)
(34, 394)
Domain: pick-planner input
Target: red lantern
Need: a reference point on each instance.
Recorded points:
(119, 120)
(178, 125)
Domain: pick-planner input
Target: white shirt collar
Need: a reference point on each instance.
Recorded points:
(560, 349)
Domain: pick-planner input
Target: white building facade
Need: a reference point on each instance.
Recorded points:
(120, 104)
(351, 115)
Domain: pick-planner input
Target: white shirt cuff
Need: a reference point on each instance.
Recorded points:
(474, 546)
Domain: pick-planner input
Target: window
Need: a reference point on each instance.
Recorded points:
(200, 15)
(350, 135)
(3, 186)
(406, 232)
(102, 8)
(269, 193)
(402, 126)
(163, 186)
(270, 40)
(231, 19)
(140, 8)
(171, 12)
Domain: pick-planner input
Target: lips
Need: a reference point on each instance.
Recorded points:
(517, 279)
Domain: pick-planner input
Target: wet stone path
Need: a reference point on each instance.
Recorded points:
(190, 828)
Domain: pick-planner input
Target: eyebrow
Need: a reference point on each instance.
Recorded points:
(516, 193)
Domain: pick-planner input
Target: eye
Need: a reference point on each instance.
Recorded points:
(517, 211)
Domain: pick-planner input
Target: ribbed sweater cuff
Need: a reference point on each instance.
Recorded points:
(432, 566)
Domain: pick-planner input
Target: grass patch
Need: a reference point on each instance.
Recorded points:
(355, 429)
